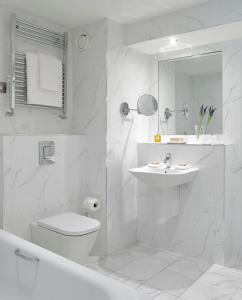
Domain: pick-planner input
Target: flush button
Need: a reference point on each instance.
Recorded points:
(46, 152)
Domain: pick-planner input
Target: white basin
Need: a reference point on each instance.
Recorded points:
(164, 178)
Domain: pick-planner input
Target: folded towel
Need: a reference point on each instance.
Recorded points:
(35, 94)
(50, 71)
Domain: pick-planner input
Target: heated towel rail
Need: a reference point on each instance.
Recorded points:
(18, 75)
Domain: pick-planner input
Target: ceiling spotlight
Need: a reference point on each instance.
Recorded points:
(173, 41)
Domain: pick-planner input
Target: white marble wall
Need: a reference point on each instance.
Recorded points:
(232, 111)
(1, 187)
(31, 191)
(232, 128)
(90, 93)
(186, 219)
(106, 74)
(128, 78)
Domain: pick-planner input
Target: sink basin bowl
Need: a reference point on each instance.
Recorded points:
(164, 178)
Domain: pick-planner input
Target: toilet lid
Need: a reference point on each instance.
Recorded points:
(70, 224)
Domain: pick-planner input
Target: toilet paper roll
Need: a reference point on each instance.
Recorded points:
(91, 204)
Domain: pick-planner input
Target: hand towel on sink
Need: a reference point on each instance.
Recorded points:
(50, 72)
(35, 94)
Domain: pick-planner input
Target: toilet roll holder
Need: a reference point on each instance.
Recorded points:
(91, 207)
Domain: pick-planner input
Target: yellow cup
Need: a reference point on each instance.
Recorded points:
(157, 138)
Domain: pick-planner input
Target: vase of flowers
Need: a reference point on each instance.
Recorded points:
(199, 127)
(207, 111)
(211, 111)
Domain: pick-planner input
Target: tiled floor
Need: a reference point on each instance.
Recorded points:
(168, 276)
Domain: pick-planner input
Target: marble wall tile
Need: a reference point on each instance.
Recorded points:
(128, 78)
(1, 186)
(75, 171)
(32, 191)
(232, 129)
(231, 52)
(90, 93)
(186, 219)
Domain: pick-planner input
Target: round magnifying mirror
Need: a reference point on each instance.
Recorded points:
(147, 105)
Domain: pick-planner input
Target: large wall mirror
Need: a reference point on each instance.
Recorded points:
(185, 84)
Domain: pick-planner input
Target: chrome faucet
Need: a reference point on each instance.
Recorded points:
(167, 160)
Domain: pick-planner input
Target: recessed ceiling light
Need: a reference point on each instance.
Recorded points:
(173, 41)
(172, 44)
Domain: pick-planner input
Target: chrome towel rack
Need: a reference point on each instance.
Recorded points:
(18, 75)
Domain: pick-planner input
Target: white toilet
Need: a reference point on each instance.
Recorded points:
(70, 235)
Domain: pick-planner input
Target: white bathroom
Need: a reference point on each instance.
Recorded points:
(120, 150)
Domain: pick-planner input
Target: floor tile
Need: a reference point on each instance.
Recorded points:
(152, 292)
(164, 296)
(129, 282)
(237, 295)
(165, 275)
(217, 283)
(141, 269)
(170, 281)
(120, 259)
(177, 277)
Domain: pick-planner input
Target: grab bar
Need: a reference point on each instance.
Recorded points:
(28, 258)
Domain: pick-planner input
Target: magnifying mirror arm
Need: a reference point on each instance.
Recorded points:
(147, 105)
(125, 109)
(184, 110)
(176, 110)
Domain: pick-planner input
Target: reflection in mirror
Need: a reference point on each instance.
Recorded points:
(185, 84)
(147, 105)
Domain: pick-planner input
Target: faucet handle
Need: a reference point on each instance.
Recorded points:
(167, 156)
(168, 160)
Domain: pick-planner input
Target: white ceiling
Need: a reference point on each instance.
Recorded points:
(76, 12)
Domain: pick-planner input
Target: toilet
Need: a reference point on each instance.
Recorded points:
(70, 235)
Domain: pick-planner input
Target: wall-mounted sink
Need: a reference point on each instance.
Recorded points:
(164, 178)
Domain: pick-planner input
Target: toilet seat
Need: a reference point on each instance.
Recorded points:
(70, 224)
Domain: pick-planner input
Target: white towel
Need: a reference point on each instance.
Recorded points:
(50, 70)
(35, 94)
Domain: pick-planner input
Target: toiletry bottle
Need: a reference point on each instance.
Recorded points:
(157, 138)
